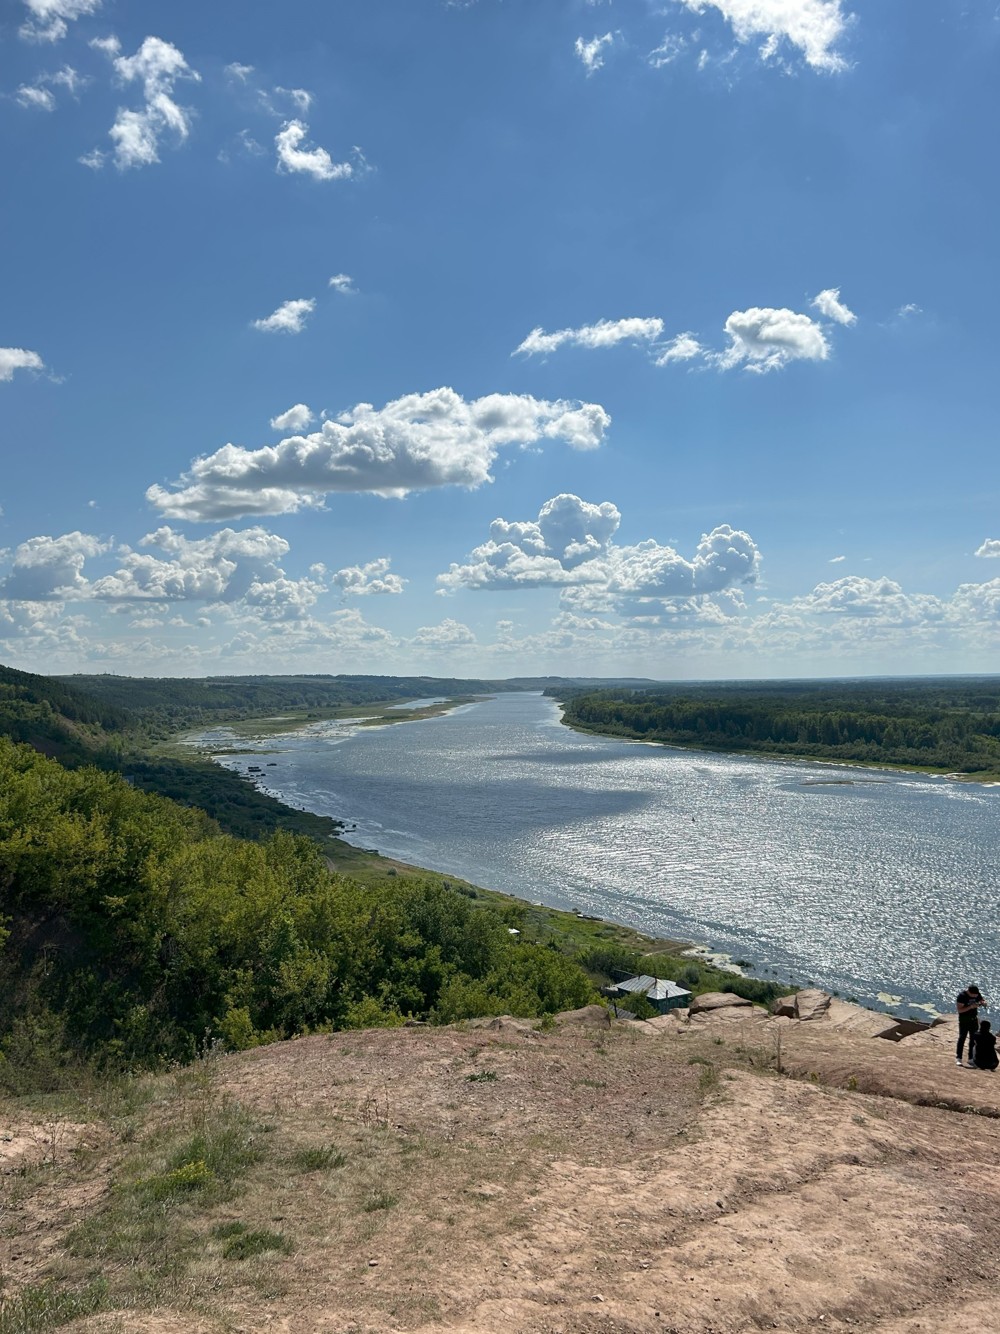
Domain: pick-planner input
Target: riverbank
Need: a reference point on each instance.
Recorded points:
(990, 778)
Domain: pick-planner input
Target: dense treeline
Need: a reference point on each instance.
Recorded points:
(53, 717)
(951, 724)
(133, 931)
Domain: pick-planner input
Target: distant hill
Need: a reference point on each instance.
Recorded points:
(55, 718)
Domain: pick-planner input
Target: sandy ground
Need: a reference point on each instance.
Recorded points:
(600, 1180)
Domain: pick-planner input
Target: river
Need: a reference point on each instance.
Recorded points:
(876, 885)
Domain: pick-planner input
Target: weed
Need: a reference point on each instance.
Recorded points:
(379, 1199)
(317, 1159)
(46, 1306)
(243, 1245)
(483, 1077)
(184, 1180)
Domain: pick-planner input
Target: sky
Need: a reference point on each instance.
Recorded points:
(499, 337)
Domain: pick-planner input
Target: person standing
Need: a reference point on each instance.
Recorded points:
(967, 1003)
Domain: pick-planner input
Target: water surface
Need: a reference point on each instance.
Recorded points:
(866, 882)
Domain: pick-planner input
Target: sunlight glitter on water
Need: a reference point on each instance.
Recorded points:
(867, 882)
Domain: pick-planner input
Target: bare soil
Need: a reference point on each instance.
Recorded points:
(590, 1179)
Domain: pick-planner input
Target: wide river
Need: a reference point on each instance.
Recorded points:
(868, 883)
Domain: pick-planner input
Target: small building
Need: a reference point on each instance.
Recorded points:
(662, 994)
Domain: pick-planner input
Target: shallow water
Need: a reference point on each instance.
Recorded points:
(862, 881)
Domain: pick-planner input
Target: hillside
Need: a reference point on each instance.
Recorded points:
(501, 1178)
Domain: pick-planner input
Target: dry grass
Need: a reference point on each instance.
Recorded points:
(494, 1178)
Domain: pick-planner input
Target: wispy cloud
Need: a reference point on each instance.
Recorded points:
(605, 333)
(314, 162)
(591, 53)
(18, 359)
(813, 27)
(48, 20)
(136, 134)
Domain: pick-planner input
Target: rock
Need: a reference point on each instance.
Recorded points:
(812, 1004)
(784, 1006)
(718, 1000)
(588, 1016)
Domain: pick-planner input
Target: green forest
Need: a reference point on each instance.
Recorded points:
(950, 725)
(135, 932)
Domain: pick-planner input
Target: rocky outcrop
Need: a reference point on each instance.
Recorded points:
(718, 1000)
(812, 1004)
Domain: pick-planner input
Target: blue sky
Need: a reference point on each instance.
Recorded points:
(499, 337)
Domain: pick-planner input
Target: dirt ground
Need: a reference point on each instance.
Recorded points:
(590, 1179)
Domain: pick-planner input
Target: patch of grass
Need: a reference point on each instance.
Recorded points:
(233, 1228)
(46, 1306)
(483, 1077)
(319, 1159)
(183, 1180)
(379, 1199)
(244, 1245)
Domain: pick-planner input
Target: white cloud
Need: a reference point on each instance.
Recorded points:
(547, 551)
(683, 347)
(342, 282)
(414, 443)
(18, 359)
(38, 99)
(315, 162)
(990, 548)
(290, 317)
(235, 568)
(605, 333)
(667, 52)
(51, 567)
(835, 560)
(49, 18)
(570, 547)
(237, 71)
(373, 578)
(156, 66)
(592, 53)
(881, 599)
(764, 339)
(297, 418)
(815, 27)
(449, 635)
(299, 96)
(828, 303)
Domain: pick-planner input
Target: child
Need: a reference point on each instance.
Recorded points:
(986, 1047)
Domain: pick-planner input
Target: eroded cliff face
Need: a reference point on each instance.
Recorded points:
(493, 1178)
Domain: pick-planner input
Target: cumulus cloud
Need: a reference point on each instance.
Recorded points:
(297, 418)
(592, 53)
(290, 317)
(815, 27)
(136, 134)
(990, 548)
(315, 162)
(547, 551)
(880, 599)
(18, 359)
(49, 19)
(373, 578)
(570, 546)
(605, 333)
(414, 443)
(765, 339)
(828, 303)
(194, 568)
(683, 347)
(343, 283)
(449, 635)
(51, 567)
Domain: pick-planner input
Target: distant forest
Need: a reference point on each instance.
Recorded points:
(950, 724)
